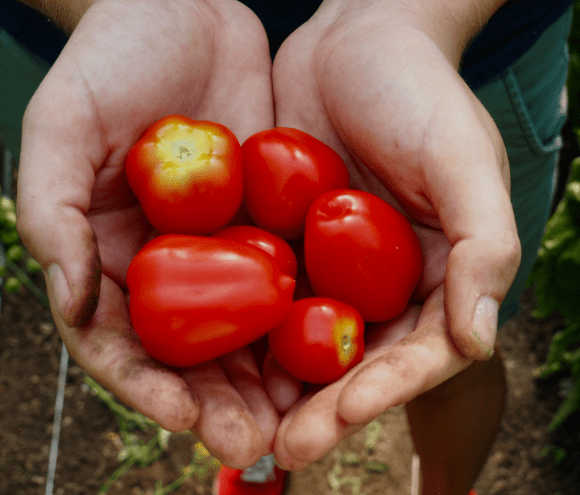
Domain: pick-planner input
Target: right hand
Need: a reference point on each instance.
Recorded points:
(127, 64)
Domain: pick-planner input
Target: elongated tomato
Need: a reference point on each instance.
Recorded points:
(192, 299)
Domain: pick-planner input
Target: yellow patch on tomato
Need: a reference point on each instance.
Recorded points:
(187, 154)
(344, 337)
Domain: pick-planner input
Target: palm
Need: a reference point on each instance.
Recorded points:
(126, 65)
(412, 133)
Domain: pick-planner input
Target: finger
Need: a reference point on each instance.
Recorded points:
(469, 190)
(109, 350)
(226, 425)
(415, 364)
(282, 388)
(243, 373)
(313, 426)
(311, 429)
(54, 193)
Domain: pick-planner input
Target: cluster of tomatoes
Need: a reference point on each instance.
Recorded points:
(262, 238)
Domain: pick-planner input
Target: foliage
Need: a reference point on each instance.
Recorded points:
(16, 264)
(556, 274)
(556, 280)
(362, 466)
(136, 451)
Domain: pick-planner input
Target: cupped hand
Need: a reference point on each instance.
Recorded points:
(379, 83)
(126, 65)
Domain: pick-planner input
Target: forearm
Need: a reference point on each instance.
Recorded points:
(451, 24)
(65, 13)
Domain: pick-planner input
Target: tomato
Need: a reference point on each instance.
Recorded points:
(319, 341)
(285, 170)
(192, 299)
(275, 246)
(360, 250)
(187, 175)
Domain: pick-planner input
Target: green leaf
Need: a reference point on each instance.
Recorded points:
(351, 459)
(376, 466)
(9, 237)
(569, 406)
(32, 266)
(546, 297)
(8, 219)
(15, 253)
(6, 205)
(12, 285)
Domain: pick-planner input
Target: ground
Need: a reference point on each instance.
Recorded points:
(377, 460)
(89, 446)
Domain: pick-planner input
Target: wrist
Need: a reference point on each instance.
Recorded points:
(65, 13)
(451, 24)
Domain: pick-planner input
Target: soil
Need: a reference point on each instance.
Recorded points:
(378, 458)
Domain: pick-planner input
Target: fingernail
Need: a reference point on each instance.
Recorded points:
(484, 323)
(59, 286)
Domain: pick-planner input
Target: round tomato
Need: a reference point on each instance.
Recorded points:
(192, 299)
(275, 246)
(360, 250)
(187, 175)
(319, 340)
(285, 170)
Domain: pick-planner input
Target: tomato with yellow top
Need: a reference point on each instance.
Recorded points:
(187, 175)
(319, 340)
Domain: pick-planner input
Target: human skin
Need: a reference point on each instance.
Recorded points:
(127, 64)
(390, 101)
(379, 82)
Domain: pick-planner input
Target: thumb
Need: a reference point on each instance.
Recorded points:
(478, 220)
(54, 192)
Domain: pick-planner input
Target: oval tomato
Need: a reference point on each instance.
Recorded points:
(319, 340)
(270, 243)
(360, 250)
(285, 170)
(192, 299)
(187, 175)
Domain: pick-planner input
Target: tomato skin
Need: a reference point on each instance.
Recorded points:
(285, 170)
(360, 250)
(319, 341)
(192, 299)
(270, 243)
(187, 175)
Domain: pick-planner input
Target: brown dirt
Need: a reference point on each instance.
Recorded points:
(29, 363)
(89, 443)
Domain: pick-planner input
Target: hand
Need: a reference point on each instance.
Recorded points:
(126, 65)
(378, 81)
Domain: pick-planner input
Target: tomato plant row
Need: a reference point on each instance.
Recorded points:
(209, 285)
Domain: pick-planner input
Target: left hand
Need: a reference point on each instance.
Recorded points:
(380, 84)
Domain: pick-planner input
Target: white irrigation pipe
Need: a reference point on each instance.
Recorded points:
(415, 475)
(52, 456)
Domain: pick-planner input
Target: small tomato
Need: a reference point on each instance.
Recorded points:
(360, 250)
(285, 170)
(187, 175)
(192, 299)
(319, 340)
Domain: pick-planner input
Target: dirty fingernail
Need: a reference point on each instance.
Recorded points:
(484, 323)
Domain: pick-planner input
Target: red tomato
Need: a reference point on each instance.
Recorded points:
(285, 170)
(319, 341)
(360, 250)
(187, 175)
(192, 299)
(275, 246)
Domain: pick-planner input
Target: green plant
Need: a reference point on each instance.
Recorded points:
(136, 451)
(16, 264)
(556, 281)
(363, 465)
